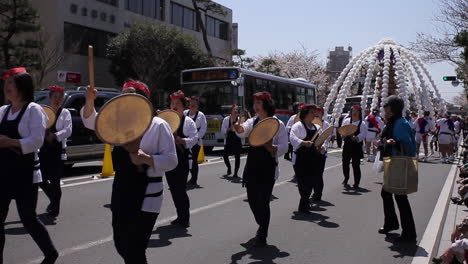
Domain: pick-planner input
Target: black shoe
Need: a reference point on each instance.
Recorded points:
(406, 239)
(316, 199)
(192, 182)
(356, 186)
(456, 200)
(235, 176)
(50, 258)
(260, 242)
(386, 230)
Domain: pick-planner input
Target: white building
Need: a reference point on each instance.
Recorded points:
(72, 25)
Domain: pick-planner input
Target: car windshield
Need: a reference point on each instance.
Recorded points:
(42, 97)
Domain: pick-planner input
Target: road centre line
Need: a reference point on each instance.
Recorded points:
(107, 239)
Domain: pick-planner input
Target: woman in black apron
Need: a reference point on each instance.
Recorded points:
(232, 143)
(307, 161)
(137, 190)
(52, 153)
(353, 147)
(261, 169)
(185, 138)
(20, 138)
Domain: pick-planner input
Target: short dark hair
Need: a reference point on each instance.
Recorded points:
(427, 113)
(25, 85)
(268, 106)
(306, 110)
(396, 104)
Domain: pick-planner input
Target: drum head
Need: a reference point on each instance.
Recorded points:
(297, 118)
(123, 119)
(172, 118)
(347, 130)
(324, 136)
(318, 122)
(50, 114)
(263, 131)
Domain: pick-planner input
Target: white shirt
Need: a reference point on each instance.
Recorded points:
(457, 127)
(280, 139)
(32, 130)
(429, 127)
(158, 142)
(290, 123)
(191, 133)
(200, 123)
(362, 130)
(443, 124)
(64, 129)
(379, 121)
(459, 248)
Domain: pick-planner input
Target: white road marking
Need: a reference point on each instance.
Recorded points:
(107, 239)
(434, 227)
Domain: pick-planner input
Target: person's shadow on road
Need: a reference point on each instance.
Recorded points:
(404, 249)
(319, 219)
(265, 255)
(20, 230)
(166, 234)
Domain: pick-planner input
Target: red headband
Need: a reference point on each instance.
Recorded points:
(56, 88)
(12, 71)
(137, 85)
(320, 109)
(262, 95)
(234, 105)
(177, 95)
(357, 107)
(194, 98)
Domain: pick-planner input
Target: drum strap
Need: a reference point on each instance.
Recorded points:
(154, 194)
(154, 179)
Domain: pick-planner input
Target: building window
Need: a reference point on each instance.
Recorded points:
(109, 2)
(103, 16)
(112, 19)
(84, 11)
(149, 8)
(77, 39)
(94, 13)
(183, 16)
(73, 8)
(217, 28)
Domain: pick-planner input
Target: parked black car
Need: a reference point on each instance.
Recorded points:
(83, 145)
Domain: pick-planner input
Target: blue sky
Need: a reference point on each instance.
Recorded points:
(267, 25)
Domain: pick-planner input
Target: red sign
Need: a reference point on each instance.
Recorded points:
(69, 77)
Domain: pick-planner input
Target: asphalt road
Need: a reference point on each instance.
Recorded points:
(342, 229)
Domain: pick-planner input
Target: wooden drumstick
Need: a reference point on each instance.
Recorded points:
(91, 66)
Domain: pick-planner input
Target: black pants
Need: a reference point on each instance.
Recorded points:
(350, 156)
(177, 181)
(51, 173)
(305, 184)
(26, 205)
(318, 181)
(228, 164)
(132, 232)
(339, 140)
(194, 170)
(406, 216)
(258, 195)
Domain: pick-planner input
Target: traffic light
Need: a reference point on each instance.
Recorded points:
(450, 78)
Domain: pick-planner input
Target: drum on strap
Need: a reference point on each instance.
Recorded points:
(263, 131)
(172, 118)
(347, 130)
(324, 136)
(123, 120)
(50, 114)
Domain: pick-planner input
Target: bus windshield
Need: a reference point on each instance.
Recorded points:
(214, 97)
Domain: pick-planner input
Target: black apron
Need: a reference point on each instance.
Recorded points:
(233, 142)
(51, 152)
(260, 165)
(305, 157)
(353, 147)
(16, 169)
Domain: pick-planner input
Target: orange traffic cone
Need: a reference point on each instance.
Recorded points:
(201, 155)
(107, 167)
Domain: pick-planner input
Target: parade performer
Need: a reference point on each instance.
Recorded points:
(296, 108)
(353, 147)
(200, 121)
(375, 125)
(136, 194)
(424, 125)
(261, 168)
(52, 154)
(22, 130)
(185, 138)
(318, 187)
(306, 159)
(232, 143)
(397, 135)
(446, 137)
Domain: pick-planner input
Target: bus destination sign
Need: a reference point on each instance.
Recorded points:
(210, 75)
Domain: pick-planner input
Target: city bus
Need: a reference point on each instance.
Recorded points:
(221, 87)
